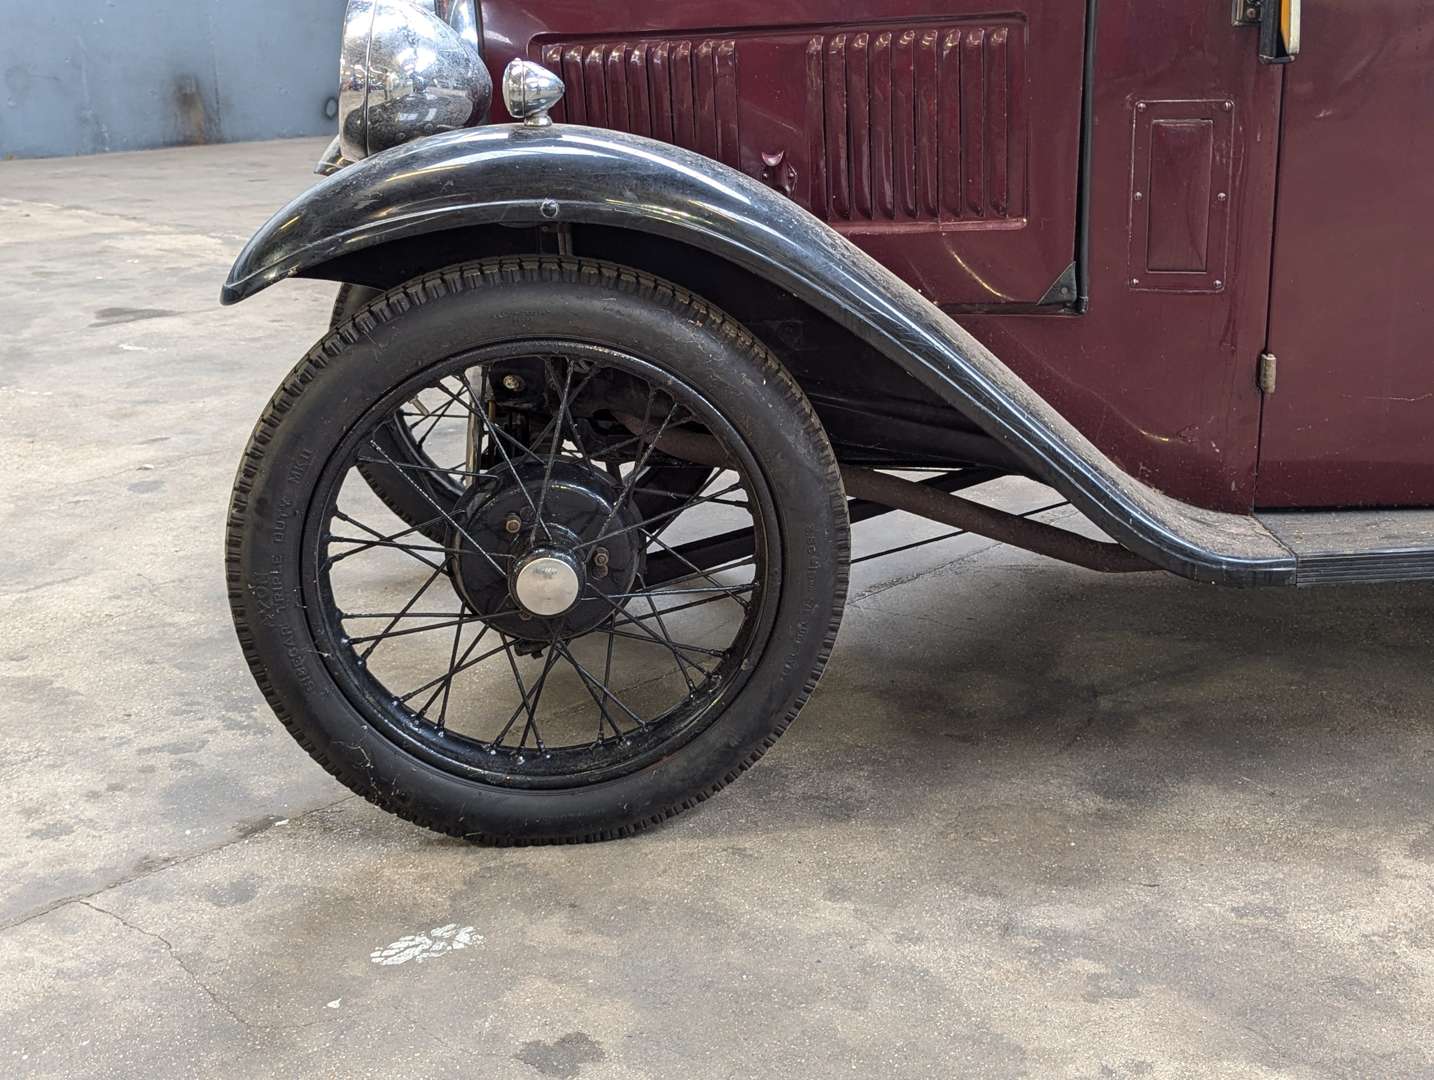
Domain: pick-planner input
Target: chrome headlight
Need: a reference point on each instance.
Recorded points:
(405, 72)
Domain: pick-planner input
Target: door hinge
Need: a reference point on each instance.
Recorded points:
(1245, 12)
(1279, 25)
(1265, 376)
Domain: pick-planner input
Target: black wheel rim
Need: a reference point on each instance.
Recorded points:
(451, 664)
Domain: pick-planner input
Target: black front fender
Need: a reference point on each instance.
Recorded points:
(529, 176)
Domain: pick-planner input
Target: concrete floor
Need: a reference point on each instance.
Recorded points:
(1035, 822)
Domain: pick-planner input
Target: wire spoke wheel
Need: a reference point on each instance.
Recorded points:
(537, 550)
(529, 648)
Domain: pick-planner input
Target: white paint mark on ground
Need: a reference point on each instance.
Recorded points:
(420, 947)
(334, 1004)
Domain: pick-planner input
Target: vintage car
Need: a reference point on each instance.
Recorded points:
(546, 539)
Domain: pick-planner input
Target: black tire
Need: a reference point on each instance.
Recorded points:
(410, 330)
(412, 505)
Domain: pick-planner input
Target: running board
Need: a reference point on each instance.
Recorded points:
(1338, 547)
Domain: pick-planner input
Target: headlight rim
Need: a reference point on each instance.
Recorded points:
(431, 77)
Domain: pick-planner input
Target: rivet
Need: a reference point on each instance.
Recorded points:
(1139, 195)
(1227, 106)
(513, 524)
(1219, 284)
(548, 208)
(1221, 197)
(515, 383)
(1141, 107)
(1135, 281)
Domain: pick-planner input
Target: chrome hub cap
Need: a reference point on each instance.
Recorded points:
(547, 583)
(558, 575)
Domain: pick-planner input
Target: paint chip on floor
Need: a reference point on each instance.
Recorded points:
(437, 942)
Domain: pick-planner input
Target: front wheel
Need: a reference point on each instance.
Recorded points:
(592, 634)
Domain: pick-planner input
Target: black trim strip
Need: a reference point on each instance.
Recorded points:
(1087, 160)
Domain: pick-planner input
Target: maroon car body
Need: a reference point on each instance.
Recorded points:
(1228, 208)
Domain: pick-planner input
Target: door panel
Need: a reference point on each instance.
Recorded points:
(943, 139)
(1160, 371)
(1351, 422)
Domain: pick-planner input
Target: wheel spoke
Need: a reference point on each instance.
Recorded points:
(629, 617)
(566, 410)
(443, 513)
(402, 612)
(386, 543)
(695, 570)
(590, 682)
(529, 705)
(652, 639)
(459, 621)
(663, 516)
(380, 540)
(557, 441)
(491, 430)
(443, 412)
(463, 665)
(437, 470)
(453, 663)
(667, 640)
(641, 462)
(725, 590)
(692, 498)
(650, 636)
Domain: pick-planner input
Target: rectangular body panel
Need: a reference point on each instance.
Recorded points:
(1351, 422)
(943, 139)
(1179, 199)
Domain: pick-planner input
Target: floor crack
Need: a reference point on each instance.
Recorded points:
(176, 957)
(80, 898)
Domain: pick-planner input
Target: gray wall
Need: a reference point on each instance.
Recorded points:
(88, 76)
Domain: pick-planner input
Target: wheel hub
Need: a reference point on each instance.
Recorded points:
(547, 582)
(558, 576)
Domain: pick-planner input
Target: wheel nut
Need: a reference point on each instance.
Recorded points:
(600, 562)
(513, 524)
(513, 383)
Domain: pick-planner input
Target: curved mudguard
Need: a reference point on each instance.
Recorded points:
(564, 173)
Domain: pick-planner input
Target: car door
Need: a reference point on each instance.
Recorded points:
(1351, 419)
